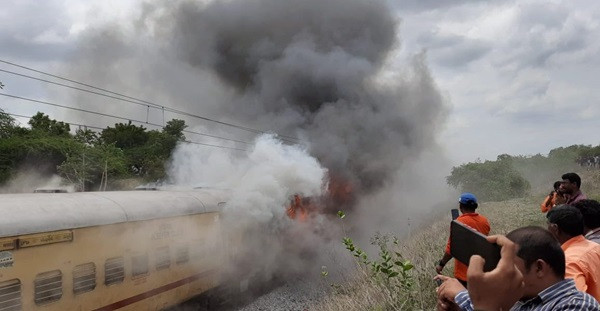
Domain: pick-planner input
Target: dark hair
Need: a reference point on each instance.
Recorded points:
(590, 209)
(557, 184)
(469, 206)
(538, 243)
(572, 177)
(568, 219)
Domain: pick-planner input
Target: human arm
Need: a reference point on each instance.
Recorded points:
(440, 265)
(559, 199)
(500, 288)
(547, 204)
(447, 291)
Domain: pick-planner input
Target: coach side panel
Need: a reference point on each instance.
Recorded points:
(143, 265)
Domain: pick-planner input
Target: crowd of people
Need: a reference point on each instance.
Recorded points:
(553, 268)
(589, 162)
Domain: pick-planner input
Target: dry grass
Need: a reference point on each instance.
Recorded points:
(425, 247)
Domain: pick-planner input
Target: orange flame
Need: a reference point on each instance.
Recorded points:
(339, 196)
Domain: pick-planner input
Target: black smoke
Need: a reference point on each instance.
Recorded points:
(311, 68)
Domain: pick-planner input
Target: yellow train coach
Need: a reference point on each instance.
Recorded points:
(130, 250)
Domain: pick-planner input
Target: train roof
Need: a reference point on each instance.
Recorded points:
(43, 212)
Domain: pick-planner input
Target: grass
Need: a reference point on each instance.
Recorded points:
(425, 247)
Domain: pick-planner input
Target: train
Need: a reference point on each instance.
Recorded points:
(114, 250)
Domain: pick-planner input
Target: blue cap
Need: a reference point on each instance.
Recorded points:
(467, 198)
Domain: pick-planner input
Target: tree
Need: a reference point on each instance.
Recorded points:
(124, 136)
(88, 165)
(7, 124)
(175, 128)
(41, 123)
(490, 180)
(86, 136)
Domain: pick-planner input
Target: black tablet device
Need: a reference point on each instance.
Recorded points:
(466, 242)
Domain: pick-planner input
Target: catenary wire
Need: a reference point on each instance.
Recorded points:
(100, 128)
(138, 101)
(116, 117)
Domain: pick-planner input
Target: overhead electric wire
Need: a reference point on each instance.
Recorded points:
(116, 117)
(100, 128)
(137, 100)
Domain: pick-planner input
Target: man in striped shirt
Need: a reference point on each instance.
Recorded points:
(590, 209)
(540, 262)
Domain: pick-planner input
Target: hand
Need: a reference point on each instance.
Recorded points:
(439, 269)
(500, 288)
(446, 292)
(560, 199)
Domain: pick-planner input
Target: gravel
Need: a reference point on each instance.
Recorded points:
(294, 295)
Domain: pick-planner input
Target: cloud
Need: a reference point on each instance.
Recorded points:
(34, 30)
(452, 50)
(414, 6)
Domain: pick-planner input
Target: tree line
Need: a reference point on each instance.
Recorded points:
(510, 176)
(86, 158)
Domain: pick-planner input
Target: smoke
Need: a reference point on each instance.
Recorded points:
(319, 71)
(308, 68)
(260, 183)
(28, 180)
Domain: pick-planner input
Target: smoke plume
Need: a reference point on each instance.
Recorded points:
(308, 69)
(316, 73)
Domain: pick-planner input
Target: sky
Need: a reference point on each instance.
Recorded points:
(518, 77)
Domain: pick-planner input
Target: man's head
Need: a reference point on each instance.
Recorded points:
(539, 258)
(590, 209)
(571, 183)
(565, 222)
(467, 202)
(557, 184)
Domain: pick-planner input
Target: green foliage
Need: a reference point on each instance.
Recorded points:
(515, 176)
(491, 180)
(175, 129)
(86, 158)
(389, 270)
(43, 154)
(7, 124)
(86, 136)
(124, 136)
(42, 124)
(87, 165)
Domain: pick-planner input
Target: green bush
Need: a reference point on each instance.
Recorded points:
(491, 180)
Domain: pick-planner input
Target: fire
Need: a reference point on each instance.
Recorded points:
(339, 196)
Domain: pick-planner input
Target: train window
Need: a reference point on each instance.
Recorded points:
(163, 258)
(139, 265)
(10, 295)
(48, 287)
(84, 278)
(183, 255)
(114, 271)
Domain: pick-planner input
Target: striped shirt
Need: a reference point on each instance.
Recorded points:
(560, 296)
(594, 235)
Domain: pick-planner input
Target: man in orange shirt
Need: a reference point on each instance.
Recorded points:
(467, 203)
(582, 256)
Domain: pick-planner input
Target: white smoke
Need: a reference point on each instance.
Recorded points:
(260, 182)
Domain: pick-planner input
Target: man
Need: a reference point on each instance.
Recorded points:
(582, 256)
(555, 197)
(571, 183)
(590, 209)
(467, 203)
(531, 280)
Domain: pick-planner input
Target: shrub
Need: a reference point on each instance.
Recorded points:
(491, 180)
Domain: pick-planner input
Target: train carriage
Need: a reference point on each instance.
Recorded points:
(129, 250)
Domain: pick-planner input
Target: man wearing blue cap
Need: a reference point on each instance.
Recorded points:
(467, 203)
